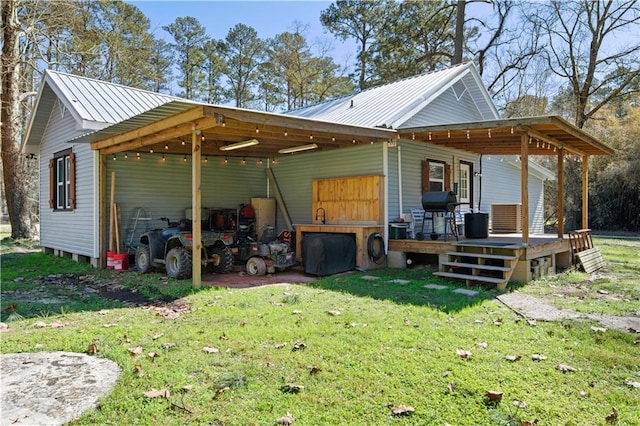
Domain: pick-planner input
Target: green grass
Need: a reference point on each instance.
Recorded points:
(390, 344)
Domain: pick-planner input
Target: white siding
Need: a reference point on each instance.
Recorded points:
(501, 184)
(295, 174)
(163, 188)
(70, 231)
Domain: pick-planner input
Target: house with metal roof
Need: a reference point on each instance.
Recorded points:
(351, 165)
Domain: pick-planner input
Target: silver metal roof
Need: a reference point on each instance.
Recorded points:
(393, 104)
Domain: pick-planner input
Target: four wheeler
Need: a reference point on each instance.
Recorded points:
(172, 246)
(265, 257)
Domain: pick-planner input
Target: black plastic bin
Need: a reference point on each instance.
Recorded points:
(476, 225)
(327, 254)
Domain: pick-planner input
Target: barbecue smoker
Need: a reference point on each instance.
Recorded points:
(437, 202)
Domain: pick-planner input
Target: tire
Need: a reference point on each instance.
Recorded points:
(256, 266)
(178, 263)
(222, 259)
(143, 260)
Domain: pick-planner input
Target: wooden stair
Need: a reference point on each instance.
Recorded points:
(480, 263)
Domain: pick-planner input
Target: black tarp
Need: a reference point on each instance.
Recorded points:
(327, 254)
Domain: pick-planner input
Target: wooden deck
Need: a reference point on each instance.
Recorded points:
(545, 254)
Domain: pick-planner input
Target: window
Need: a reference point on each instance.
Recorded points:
(436, 176)
(62, 181)
(465, 182)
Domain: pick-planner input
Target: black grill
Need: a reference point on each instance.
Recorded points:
(437, 201)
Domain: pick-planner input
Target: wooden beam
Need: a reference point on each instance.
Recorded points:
(291, 122)
(196, 204)
(160, 136)
(524, 177)
(152, 128)
(560, 193)
(548, 139)
(585, 192)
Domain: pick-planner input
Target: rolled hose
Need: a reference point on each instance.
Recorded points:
(374, 254)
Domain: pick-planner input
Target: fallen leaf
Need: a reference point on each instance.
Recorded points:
(136, 351)
(532, 322)
(187, 388)
(451, 387)
(565, 368)
(153, 355)
(57, 324)
(157, 393)
(634, 384)
(4, 327)
(279, 345)
(529, 422)
(315, 370)
(494, 396)
(223, 336)
(168, 345)
(291, 388)
(286, 420)
(498, 321)
(482, 345)
(479, 322)
(599, 329)
(109, 325)
(93, 349)
(583, 393)
(603, 292)
(157, 336)
(210, 350)
(138, 370)
(402, 410)
(221, 391)
(296, 312)
(333, 313)
(613, 416)
(40, 324)
(512, 358)
(298, 346)
(538, 357)
(445, 373)
(519, 404)
(465, 355)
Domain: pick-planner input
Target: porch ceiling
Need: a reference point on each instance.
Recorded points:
(503, 137)
(168, 129)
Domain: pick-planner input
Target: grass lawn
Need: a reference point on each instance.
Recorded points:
(344, 350)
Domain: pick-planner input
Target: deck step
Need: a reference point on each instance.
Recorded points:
(482, 255)
(477, 266)
(470, 277)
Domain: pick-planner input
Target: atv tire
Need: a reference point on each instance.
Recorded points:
(256, 266)
(178, 263)
(143, 260)
(222, 259)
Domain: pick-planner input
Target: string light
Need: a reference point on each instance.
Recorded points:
(274, 161)
(257, 130)
(371, 141)
(138, 155)
(126, 155)
(182, 142)
(151, 151)
(184, 158)
(114, 157)
(206, 159)
(311, 136)
(489, 133)
(259, 162)
(166, 146)
(448, 133)
(243, 161)
(202, 138)
(537, 144)
(467, 134)
(512, 130)
(226, 160)
(429, 135)
(413, 136)
(286, 133)
(333, 138)
(163, 159)
(354, 140)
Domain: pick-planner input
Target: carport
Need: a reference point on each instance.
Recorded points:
(189, 128)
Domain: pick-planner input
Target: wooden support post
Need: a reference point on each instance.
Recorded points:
(585, 192)
(524, 177)
(196, 204)
(560, 193)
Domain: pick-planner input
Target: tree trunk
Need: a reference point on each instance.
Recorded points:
(458, 43)
(14, 163)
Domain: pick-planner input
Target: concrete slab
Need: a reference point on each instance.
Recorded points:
(369, 278)
(401, 282)
(534, 308)
(466, 292)
(435, 287)
(52, 388)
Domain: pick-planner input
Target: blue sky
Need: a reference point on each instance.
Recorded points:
(267, 17)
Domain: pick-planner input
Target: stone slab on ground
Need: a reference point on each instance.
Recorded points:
(534, 308)
(370, 277)
(466, 292)
(401, 282)
(435, 286)
(52, 388)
